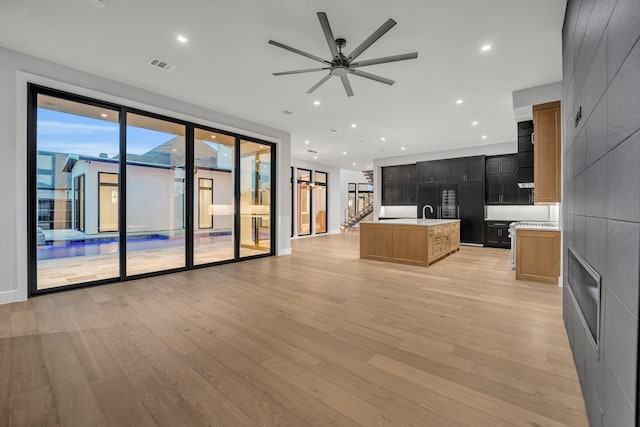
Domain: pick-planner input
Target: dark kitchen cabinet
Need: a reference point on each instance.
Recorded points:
(497, 234)
(399, 185)
(502, 181)
(452, 170)
(471, 211)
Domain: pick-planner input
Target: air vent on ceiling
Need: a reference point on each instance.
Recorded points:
(286, 112)
(163, 65)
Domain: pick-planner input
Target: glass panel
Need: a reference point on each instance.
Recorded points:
(155, 194)
(320, 202)
(353, 206)
(214, 197)
(255, 198)
(304, 202)
(73, 141)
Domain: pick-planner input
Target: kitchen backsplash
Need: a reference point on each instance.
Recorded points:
(523, 213)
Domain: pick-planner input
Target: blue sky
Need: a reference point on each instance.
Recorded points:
(72, 134)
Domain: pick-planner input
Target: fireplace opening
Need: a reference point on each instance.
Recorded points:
(584, 287)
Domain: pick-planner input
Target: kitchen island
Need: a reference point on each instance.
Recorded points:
(419, 242)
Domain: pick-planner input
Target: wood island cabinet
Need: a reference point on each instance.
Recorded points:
(547, 152)
(406, 243)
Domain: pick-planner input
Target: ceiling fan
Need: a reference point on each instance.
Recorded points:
(342, 65)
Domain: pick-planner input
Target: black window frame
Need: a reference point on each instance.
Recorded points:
(33, 90)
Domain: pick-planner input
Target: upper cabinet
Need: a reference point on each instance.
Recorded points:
(399, 185)
(547, 152)
(502, 184)
(452, 170)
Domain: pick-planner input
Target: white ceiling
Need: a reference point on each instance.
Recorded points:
(227, 64)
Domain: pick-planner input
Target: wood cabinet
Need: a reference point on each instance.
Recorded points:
(538, 256)
(399, 185)
(418, 245)
(547, 152)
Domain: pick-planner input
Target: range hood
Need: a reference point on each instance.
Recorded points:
(525, 154)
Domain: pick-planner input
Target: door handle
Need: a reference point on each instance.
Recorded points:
(533, 138)
(458, 212)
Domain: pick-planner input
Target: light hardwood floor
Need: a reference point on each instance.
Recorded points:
(316, 338)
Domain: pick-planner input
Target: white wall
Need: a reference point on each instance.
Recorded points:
(333, 193)
(222, 195)
(16, 70)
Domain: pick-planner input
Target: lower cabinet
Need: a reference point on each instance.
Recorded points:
(442, 241)
(538, 256)
(496, 234)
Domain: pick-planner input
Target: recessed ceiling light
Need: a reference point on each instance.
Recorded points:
(316, 102)
(459, 101)
(354, 163)
(484, 136)
(182, 39)
(213, 136)
(353, 125)
(383, 139)
(486, 48)
(315, 157)
(306, 142)
(402, 148)
(174, 150)
(368, 167)
(474, 123)
(103, 115)
(344, 153)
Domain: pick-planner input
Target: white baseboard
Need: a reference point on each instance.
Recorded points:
(7, 297)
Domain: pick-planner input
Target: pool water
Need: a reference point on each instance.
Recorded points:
(110, 247)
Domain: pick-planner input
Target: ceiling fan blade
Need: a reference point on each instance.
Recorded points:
(308, 70)
(317, 85)
(328, 34)
(371, 39)
(393, 58)
(299, 52)
(347, 85)
(372, 77)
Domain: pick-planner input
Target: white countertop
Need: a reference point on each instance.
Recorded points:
(414, 221)
(538, 225)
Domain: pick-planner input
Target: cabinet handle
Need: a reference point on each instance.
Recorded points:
(533, 138)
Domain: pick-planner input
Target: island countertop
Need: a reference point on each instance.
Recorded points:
(413, 221)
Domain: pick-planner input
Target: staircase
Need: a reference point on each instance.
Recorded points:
(366, 211)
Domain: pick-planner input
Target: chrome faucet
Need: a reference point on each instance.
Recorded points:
(424, 208)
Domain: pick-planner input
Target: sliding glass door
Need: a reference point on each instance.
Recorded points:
(304, 202)
(214, 202)
(320, 202)
(117, 193)
(255, 198)
(74, 141)
(156, 161)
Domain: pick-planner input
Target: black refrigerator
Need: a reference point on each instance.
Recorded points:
(463, 201)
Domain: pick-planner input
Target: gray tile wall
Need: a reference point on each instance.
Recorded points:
(601, 201)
